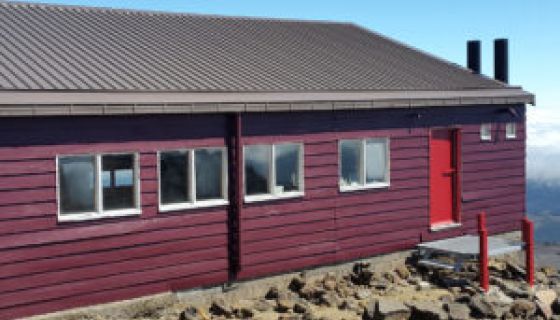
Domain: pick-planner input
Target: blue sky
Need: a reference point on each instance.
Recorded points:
(440, 27)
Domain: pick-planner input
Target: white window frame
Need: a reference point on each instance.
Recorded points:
(483, 135)
(511, 135)
(362, 170)
(99, 213)
(273, 192)
(194, 203)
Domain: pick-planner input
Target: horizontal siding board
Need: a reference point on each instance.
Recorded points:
(106, 283)
(95, 270)
(368, 251)
(289, 218)
(89, 232)
(275, 267)
(142, 250)
(281, 255)
(210, 278)
(34, 181)
(249, 248)
(31, 167)
(288, 230)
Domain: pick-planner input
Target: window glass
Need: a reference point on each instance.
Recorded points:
(257, 169)
(209, 168)
(350, 162)
(287, 157)
(118, 188)
(376, 161)
(486, 132)
(77, 184)
(511, 130)
(174, 177)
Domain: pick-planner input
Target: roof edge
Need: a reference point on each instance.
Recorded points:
(17, 103)
(58, 6)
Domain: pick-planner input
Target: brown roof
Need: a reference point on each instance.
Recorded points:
(49, 47)
(79, 60)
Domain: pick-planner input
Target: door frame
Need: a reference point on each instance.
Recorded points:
(456, 149)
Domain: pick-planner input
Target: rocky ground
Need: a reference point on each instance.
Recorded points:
(403, 291)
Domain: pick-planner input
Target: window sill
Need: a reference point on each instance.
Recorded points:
(98, 216)
(445, 226)
(364, 187)
(271, 197)
(197, 205)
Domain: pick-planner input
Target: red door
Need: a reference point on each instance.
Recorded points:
(443, 172)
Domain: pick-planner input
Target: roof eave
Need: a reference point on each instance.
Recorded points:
(48, 103)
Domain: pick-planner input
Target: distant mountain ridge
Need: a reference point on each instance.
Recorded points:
(543, 198)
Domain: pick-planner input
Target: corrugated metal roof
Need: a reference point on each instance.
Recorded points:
(51, 47)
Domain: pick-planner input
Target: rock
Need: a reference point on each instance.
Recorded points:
(470, 290)
(509, 289)
(497, 265)
(329, 283)
(330, 299)
(546, 296)
(549, 271)
(556, 306)
(380, 285)
(464, 298)
(455, 290)
(522, 308)
(386, 309)
(190, 313)
(263, 305)
(515, 269)
(351, 305)
(289, 317)
(243, 309)
(544, 309)
(390, 277)
(423, 285)
(312, 293)
(402, 271)
(541, 277)
(422, 310)
(297, 283)
(302, 307)
(498, 296)
(361, 275)
(481, 307)
(220, 308)
(284, 302)
(272, 293)
(458, 311)
(362, 294)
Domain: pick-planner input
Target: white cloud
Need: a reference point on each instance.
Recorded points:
(543, 144)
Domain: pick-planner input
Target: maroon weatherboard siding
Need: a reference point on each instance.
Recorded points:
(327, 226)
(47, 266)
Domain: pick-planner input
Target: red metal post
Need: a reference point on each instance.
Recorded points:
(528, 238)
(483, 252)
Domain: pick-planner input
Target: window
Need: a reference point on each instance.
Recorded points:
(511, 130)
(364, 163)
(486, 132)
(273, 171)
(97, 186)
(192, 178)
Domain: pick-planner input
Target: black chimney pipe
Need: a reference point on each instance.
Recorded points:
(501, 60)
(473, 56)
